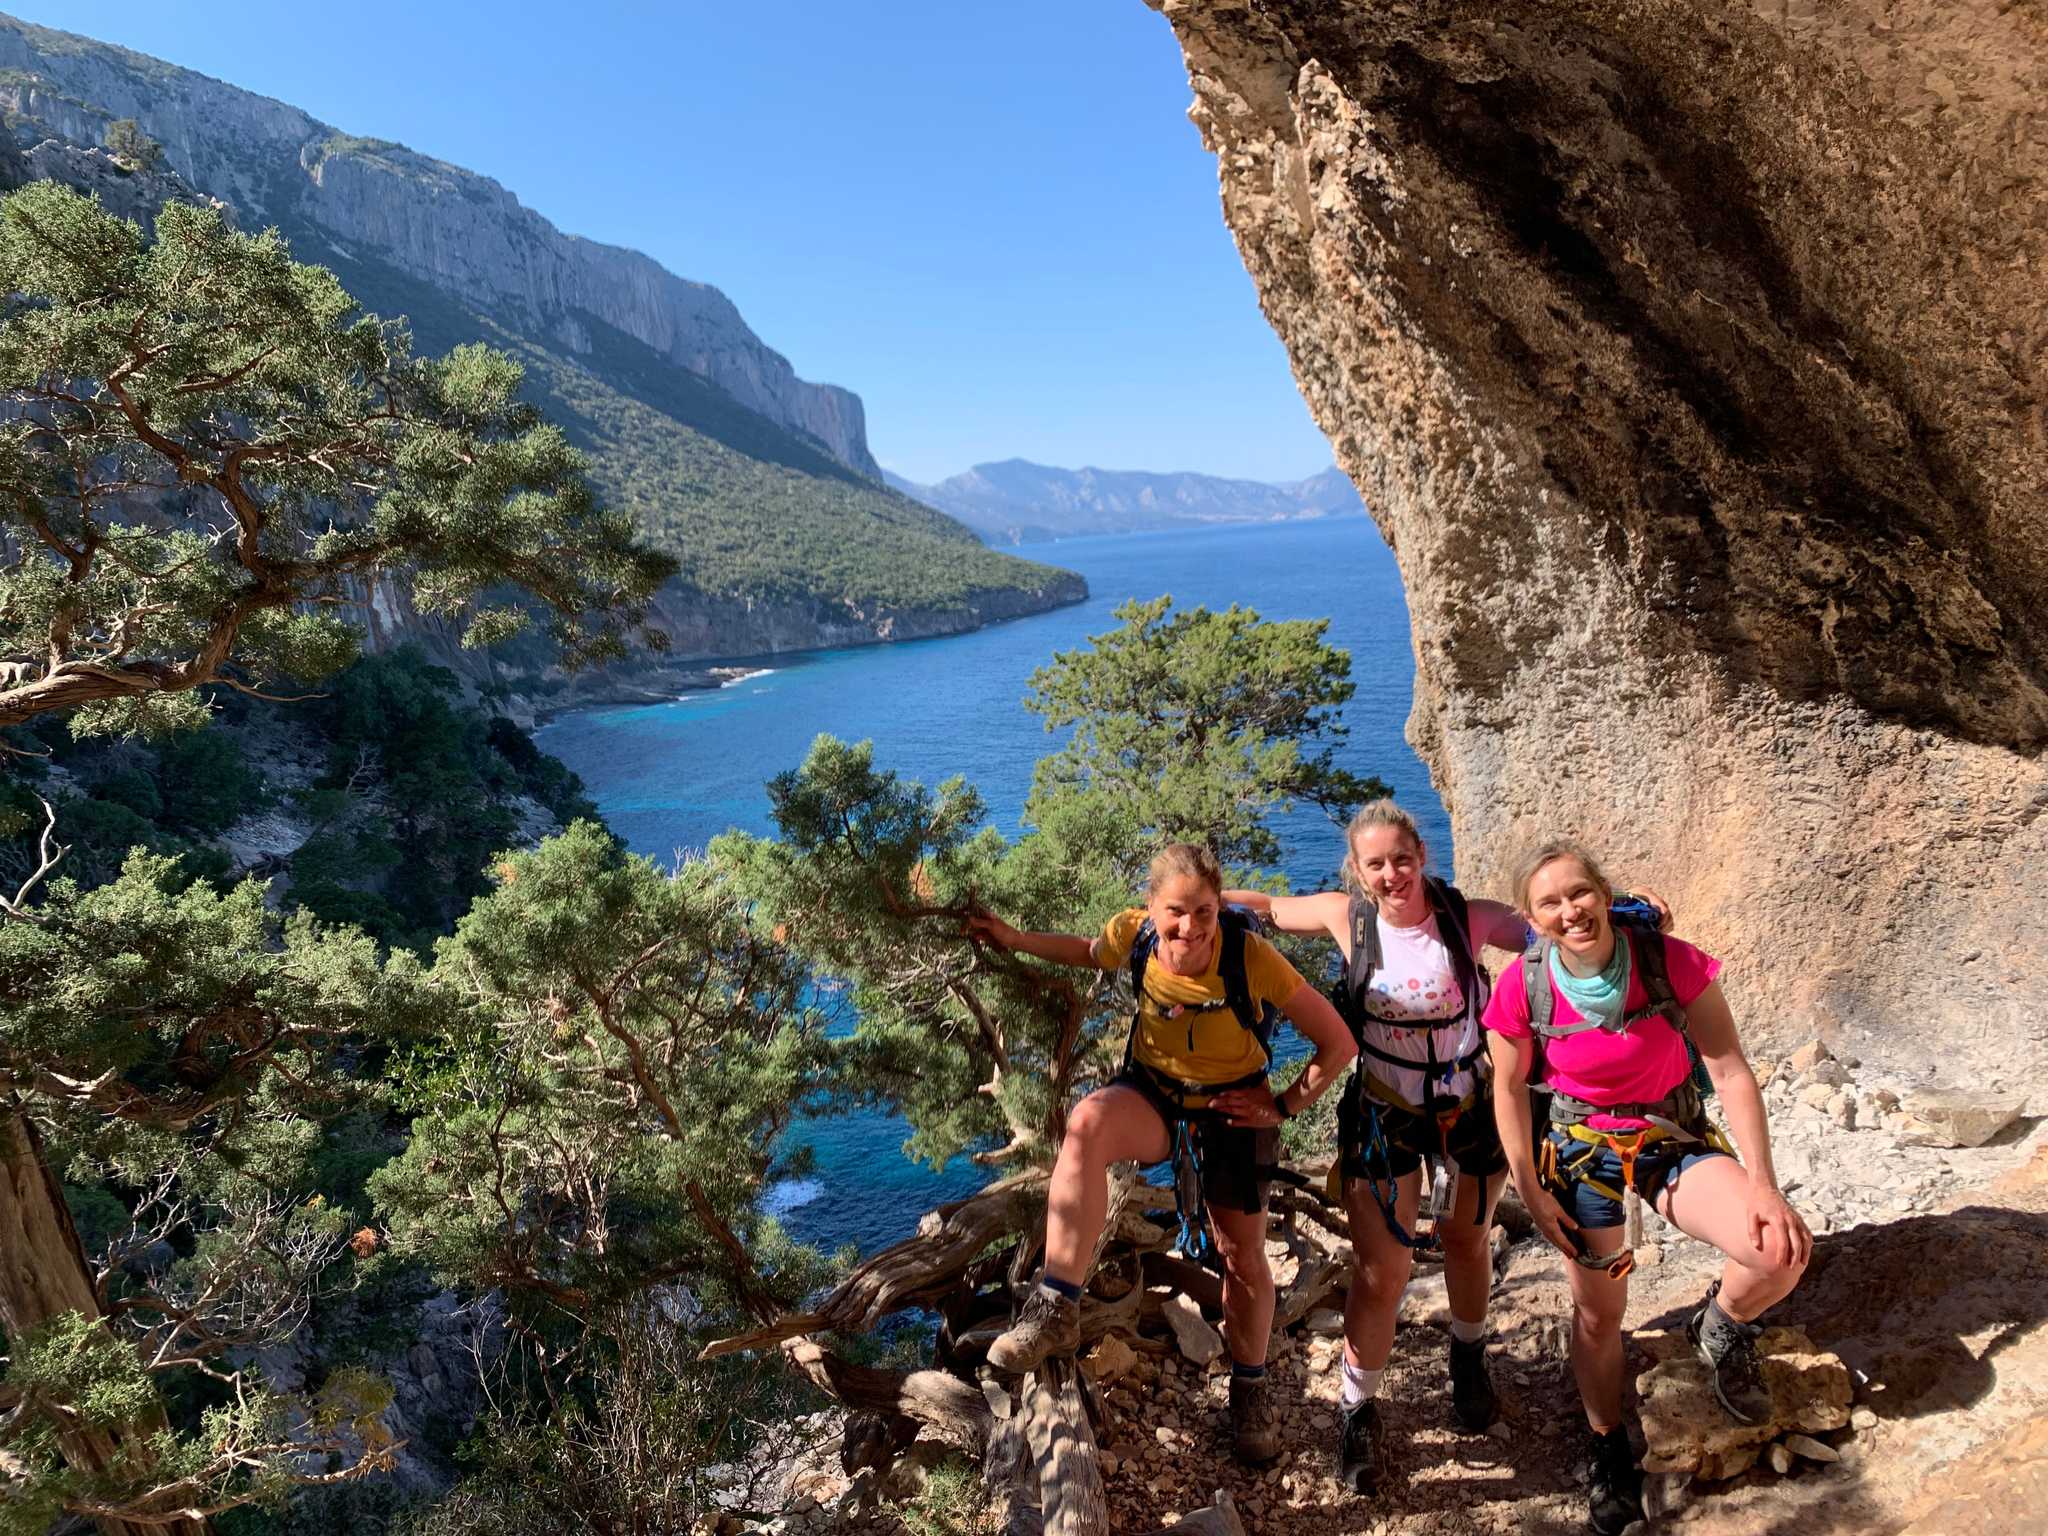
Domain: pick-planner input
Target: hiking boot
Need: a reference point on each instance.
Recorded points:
(1358, 1448)
(1050, 1324)
(1254, 1438)
(1616, 1500)
(1472, 1399)
(1728, 1350)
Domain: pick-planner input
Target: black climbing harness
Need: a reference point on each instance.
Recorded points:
(1366, 1092)
(1234, 925)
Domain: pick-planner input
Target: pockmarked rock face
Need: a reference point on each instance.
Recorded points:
(1690, 356)
(1684, 1429)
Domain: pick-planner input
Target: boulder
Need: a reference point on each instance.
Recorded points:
(1811, 1449)
(1947, 1118)
(1809, 1056)
(1686, 1430)
(1689, 357)
(1219, 1519)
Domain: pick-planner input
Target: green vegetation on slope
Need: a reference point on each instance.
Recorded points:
(748, 507)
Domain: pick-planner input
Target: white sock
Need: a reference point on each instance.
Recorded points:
(1359, 1384)
(1468, 1333)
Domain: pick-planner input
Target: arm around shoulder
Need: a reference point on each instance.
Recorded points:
(1324, 912)
(1497, 925)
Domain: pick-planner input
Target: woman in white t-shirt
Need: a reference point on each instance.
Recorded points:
(1413, 991)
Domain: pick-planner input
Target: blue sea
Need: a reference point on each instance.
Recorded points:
(671, 777)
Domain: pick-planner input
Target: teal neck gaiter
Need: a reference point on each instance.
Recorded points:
(1597, 998)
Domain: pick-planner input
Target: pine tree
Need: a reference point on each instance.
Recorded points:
(175, 1046)
(589, 1142)
(126, 141)
(204, 448)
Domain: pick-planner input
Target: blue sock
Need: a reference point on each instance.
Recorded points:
(1247, 1372)
(1065, 1288)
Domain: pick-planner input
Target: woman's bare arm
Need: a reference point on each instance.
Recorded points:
(1060, 948)
(1324, 912)
(1317, 1022)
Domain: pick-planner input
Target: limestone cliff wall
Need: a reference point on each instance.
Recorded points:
(459, 231)
(1690, 355)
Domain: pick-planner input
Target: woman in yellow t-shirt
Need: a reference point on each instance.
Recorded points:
(1192, 1059)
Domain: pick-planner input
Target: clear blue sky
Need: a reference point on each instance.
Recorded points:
(993, 221)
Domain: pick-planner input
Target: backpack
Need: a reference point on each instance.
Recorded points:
(1233, 924)
(1474, 983)
(1649, 961)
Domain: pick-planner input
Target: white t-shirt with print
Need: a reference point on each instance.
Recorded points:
(1415, 990)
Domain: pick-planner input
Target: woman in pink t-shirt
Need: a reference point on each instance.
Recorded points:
(1624, 1112)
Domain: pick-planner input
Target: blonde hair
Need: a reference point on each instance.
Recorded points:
(1189, 860)
(1375, 813)
(1558, 848)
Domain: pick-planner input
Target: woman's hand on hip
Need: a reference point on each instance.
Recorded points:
(1253, 1107)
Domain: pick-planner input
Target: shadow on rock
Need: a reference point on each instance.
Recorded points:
(1920, 1309)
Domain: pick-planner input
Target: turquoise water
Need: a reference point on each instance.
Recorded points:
(671, 777)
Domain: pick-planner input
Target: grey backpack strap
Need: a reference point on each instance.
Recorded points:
(1536, 985)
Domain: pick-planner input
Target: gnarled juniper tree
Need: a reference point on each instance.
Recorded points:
(590, 1139)
(1198, 726)
(204, 447)
(205, 451)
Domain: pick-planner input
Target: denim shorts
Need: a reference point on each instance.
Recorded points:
(1658, 1166)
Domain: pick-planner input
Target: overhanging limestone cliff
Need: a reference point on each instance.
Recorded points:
(1690, 356)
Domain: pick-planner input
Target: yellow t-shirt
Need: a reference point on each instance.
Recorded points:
(1197, 1046)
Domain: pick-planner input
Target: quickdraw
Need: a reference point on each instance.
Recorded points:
(1375, 1143)
(1189, 1199)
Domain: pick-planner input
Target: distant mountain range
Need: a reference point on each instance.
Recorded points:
(1018, 502)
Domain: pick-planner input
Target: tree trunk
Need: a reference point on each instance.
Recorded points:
(43, 1275)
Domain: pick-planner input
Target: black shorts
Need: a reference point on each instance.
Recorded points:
(1472, 1141)
(1237, 1160)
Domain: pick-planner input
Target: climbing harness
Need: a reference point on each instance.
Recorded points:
(1189, 1197)
(1367, 1093)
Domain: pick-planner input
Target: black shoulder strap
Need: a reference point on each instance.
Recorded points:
(1455, 915)
(1142, 944)
(1654, 966)
(1536, 984)
(1230, 967)
(1366, 957)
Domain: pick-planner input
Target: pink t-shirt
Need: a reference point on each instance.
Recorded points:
(1644, 1063)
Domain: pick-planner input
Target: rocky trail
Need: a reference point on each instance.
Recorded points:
(1909, 1370)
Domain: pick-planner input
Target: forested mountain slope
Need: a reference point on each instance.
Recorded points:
(759, 482)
